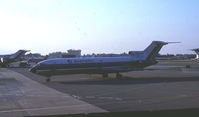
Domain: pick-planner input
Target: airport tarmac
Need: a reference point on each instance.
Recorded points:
(167, 85)
(21, 96)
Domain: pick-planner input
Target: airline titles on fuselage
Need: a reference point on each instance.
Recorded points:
(70, 61)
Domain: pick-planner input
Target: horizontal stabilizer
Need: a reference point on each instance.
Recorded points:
(173, 42)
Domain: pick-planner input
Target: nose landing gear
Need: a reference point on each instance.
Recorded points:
(48, 79)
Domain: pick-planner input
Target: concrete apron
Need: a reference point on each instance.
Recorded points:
(30, 98)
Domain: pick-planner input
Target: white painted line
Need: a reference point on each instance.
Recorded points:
(38, 109)
(35, 98)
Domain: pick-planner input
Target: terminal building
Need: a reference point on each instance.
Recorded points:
(77, 53)
(69, 54)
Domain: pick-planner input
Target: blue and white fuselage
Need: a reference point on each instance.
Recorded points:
(91, 65)
(99, 65)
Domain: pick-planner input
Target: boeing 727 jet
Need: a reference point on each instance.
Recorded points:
(99, 65)
(5, 60)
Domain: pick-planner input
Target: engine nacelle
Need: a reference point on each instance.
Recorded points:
(3, 60)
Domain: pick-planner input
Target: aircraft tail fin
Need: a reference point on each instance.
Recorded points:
(18, 54)
(196, 50)
(153, 49)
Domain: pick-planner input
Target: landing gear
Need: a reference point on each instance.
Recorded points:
(48, 79)
(118, 75)
(105, 75)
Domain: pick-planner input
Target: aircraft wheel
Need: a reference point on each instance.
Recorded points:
(48, 79)
(118, 75)
(104, 75)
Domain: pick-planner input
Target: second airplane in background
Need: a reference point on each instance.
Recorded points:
(99, 65)
(5, 60)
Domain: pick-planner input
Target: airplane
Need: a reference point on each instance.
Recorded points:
(35, 59)
(5, 60)
(99, 65)
(197, 53)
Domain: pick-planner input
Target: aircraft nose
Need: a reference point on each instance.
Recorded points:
(34, 69)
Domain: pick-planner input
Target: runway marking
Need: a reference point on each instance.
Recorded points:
(138, 87)
(19, 95)
(97, 97)
(190, 71)
(38, 109)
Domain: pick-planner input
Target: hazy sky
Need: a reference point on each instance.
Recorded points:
(98, 26)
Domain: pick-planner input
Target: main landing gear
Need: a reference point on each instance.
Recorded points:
(118, 75)
(48, 79)
(105, 75)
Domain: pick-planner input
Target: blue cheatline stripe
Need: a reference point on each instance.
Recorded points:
(136, 64)
(90, 68)
(84, 71)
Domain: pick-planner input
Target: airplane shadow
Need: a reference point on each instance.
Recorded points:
(112, 81)
(129, 81)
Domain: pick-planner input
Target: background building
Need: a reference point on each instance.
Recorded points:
(77, 53)
(69, 54)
